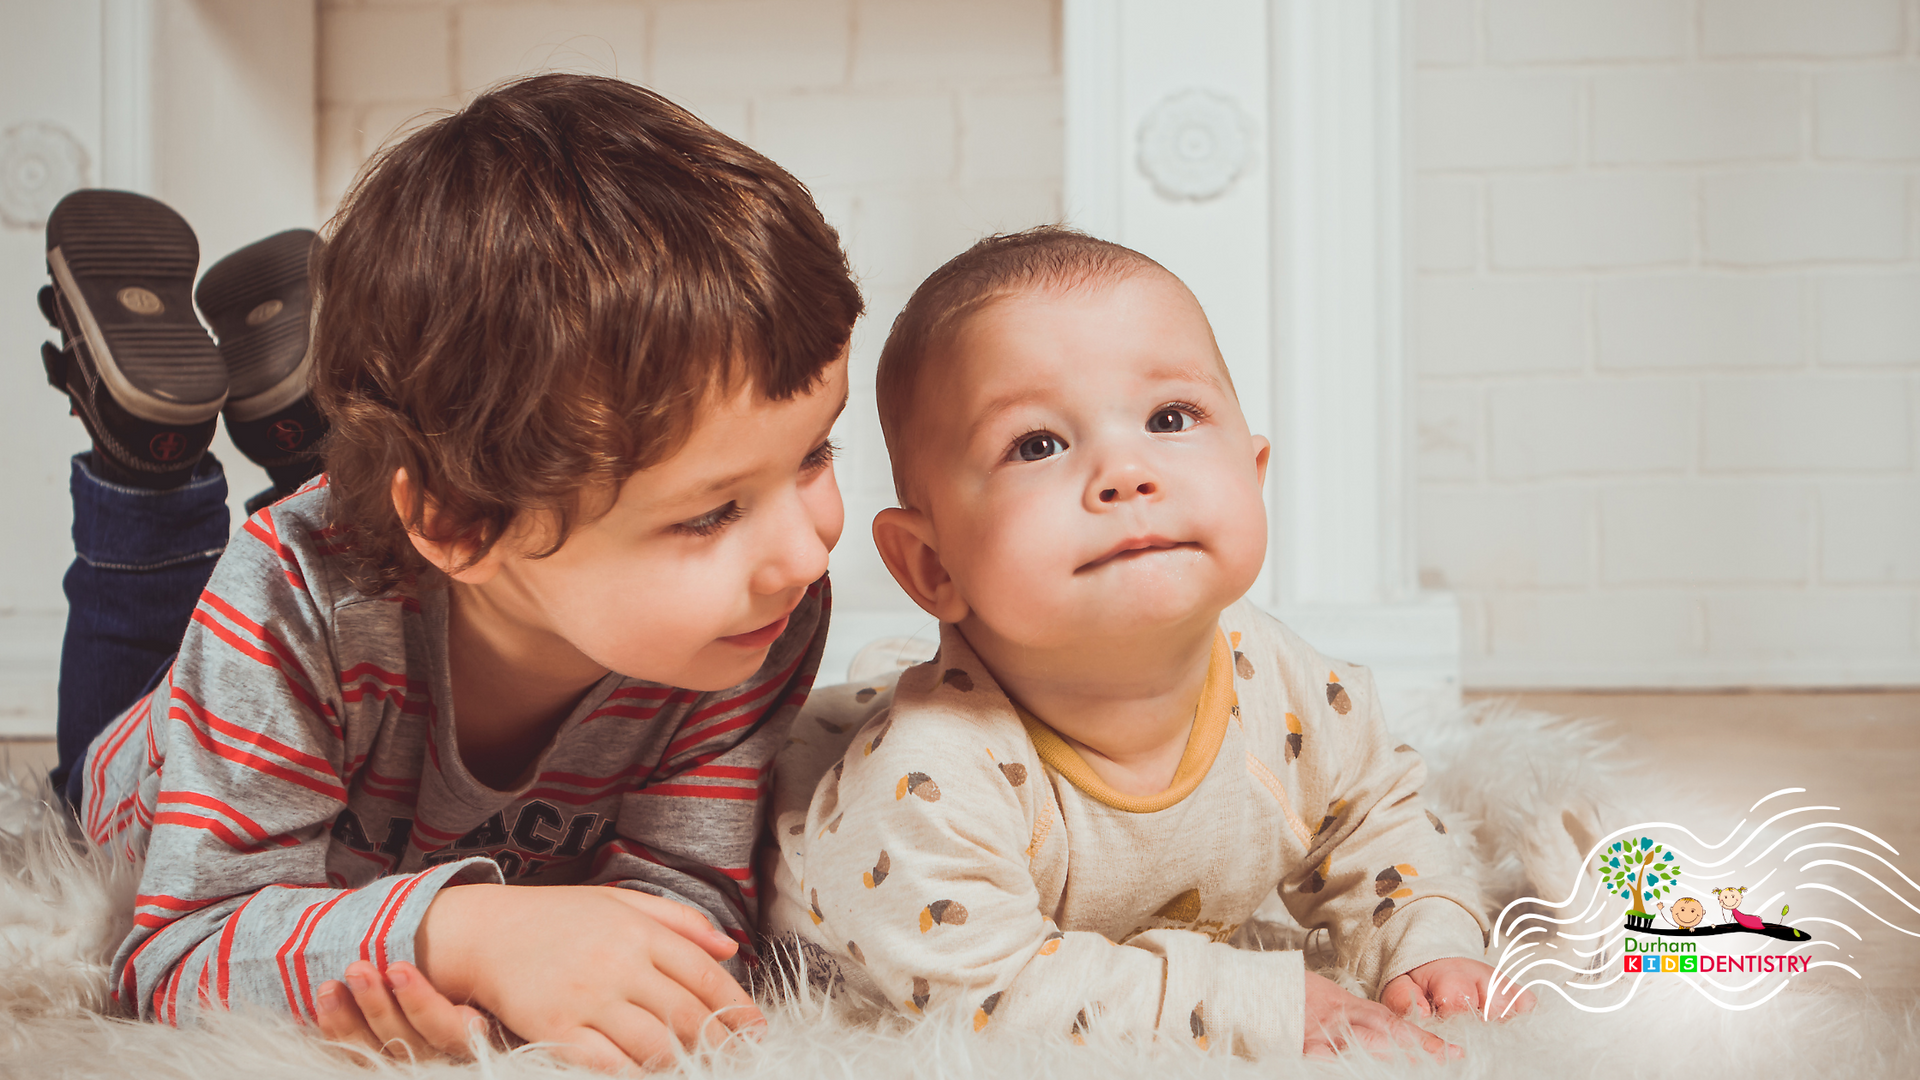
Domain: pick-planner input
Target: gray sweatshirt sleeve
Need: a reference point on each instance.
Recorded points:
(231, 771)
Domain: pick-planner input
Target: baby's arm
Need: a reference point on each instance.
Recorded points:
(1379, 871)
(918, 870)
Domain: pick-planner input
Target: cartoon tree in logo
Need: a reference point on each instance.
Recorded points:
(1638, 870)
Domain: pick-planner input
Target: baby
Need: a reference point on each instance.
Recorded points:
(1060, 821)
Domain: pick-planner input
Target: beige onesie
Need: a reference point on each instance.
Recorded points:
(960, 854)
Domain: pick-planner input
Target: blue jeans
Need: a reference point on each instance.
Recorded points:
(141, 559)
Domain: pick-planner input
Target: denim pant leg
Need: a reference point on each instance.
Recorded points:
(141, 559)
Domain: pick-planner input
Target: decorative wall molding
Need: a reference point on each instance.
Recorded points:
(1294, 244)
(1194, 145)
(38, 164)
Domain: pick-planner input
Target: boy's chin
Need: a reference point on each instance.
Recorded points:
(717, 667)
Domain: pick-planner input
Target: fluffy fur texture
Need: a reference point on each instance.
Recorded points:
(1524, 792)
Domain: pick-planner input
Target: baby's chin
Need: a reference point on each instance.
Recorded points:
(1151, 610)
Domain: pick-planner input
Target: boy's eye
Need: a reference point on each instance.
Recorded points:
(821, 457)
(710, 522)
(1169, 420)
(1040, 444)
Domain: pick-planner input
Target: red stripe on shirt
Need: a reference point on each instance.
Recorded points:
(392, 915)
(219, 828)
(121, 731)
(366, 941)
(225, 953)
(255, 831)
(255, 762)
(703, 791)
(293, 755)
(691, 735)
(300, 957)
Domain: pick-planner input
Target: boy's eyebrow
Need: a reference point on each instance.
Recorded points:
(728, 481)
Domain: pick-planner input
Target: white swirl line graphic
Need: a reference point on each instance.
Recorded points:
(1532, 939)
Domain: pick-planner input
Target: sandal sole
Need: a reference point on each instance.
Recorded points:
(258, 303)
(124, 265)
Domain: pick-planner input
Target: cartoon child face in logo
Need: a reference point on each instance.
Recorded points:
(1687, 912)
(1730, 898)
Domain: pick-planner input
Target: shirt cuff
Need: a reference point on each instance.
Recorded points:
(1250, 1003)
(1429, 928)
(412, 909)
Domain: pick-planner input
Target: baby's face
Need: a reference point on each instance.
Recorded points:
(1085, 465)
(1688, 912)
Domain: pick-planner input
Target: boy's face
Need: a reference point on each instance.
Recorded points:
(1085, 468)
(689, 578)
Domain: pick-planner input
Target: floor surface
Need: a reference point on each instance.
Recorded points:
(1858, 751)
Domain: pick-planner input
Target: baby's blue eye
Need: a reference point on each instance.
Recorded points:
(1169, 420)
(1040, 444)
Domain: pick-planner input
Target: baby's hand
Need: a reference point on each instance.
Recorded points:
(1453, 985)
(1333, 1015)
(401, 1013)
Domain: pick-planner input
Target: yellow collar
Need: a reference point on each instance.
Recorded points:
(1217, 700)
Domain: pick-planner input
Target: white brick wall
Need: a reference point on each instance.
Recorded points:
(1666, 317)
(1667, 331)
(920, 126)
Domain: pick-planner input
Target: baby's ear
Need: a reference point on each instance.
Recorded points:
(906, 542)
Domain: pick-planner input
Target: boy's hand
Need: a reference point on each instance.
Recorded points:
(400, 1014)
(1450, 986)
(616, 977)
(1333, 1014)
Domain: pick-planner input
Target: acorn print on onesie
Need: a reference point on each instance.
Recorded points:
(1337, 695)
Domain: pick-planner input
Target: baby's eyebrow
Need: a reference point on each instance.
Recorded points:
(1193, 373)
(1002, 404)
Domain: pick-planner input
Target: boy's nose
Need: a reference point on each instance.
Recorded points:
(806, 532)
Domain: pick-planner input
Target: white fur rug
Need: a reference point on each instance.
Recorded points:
(1524, 792)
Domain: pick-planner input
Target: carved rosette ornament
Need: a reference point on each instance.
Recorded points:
(1194, 145)
(39, 163)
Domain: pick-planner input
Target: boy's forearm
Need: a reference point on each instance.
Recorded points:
(272, 948)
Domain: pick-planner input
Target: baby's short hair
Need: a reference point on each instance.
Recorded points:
(1048, 257)
(536, 295)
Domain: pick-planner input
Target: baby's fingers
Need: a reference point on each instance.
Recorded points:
(1508, 998)
(1405, 997)
(1451, 994)
(340, 1018)
(445, 1026)
(391, 1031)
(1381, 1032)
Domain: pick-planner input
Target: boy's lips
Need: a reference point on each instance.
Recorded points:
(1139, 545)
(763, 637)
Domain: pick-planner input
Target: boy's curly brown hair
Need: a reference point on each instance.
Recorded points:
(536, 295)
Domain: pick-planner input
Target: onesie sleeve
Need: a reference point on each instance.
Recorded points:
(917, 868)
(233, 768)
(1379, 873)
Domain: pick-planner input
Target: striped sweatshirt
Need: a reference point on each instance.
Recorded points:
(295, 786)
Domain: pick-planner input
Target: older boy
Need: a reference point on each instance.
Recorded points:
(1114, 759)
(543, 622)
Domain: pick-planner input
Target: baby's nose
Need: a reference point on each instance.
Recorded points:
(1111, 494)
